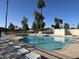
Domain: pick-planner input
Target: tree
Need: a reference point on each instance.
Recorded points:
(38, 16)
(43, 25)
(16, 27)
(41, 4)
(78, 26)
(34, 26)
(66, 26)
(38, 24)
(52, 26)
(57, 21)
(11, 27)
(24, 24)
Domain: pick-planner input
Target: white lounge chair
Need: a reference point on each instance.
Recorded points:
(32, 55)
(10, 43)
(23, 50)
(17, 53)
(15, 47)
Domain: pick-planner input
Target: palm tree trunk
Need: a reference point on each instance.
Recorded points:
(41, 21)
(41, 11)
(6, 18)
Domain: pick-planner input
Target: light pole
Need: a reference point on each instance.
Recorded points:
(6, 16)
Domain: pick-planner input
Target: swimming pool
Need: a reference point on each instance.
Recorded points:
(46, 42)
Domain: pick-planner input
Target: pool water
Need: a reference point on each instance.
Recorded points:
(46, 42)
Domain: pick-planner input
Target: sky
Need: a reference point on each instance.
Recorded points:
(68, 10)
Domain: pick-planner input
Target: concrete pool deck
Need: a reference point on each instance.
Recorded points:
(72, 49)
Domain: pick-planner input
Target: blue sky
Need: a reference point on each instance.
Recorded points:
(68, 10)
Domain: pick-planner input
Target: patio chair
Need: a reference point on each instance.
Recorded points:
(32, 55)
(16, 53)
(16, 47)
(23, 50)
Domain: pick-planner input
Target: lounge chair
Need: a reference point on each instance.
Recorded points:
(23, 50)
(16, 47)
(16, 53)
(32, 55)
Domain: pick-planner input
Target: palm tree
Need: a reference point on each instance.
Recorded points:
(41, 4)
(6, 17)
(78, 26)
(58, 21)
(38, 21)
(34, 26)
(66, 26)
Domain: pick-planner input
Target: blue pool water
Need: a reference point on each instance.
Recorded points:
(46, 42)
